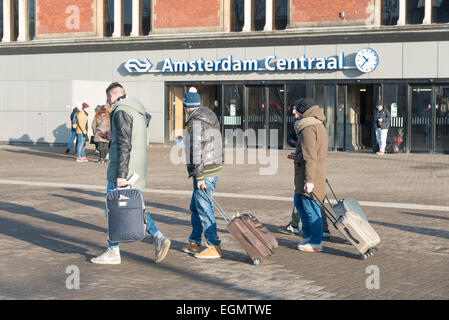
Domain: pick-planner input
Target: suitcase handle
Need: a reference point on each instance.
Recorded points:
(326, 210)
(327, 181)
(218, 207)
(223, 214)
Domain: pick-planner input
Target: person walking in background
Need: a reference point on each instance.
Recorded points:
(101, 128)
(81, 133)
(382, 118)
(310, 172)
(204, 164)
(293, 226)
(73, 125)
(128, 156)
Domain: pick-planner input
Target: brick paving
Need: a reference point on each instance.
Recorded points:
(44, 230)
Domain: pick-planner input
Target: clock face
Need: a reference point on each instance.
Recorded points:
(367, 60)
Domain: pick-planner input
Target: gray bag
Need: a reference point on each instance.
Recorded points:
(126, 215)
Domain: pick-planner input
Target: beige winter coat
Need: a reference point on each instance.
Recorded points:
(311, 152)
(100, 125)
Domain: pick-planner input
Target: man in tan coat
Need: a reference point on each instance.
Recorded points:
(310, 172)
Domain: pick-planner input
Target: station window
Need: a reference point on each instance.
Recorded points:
(127, 17)
(15, 19)
(390, 12)
(109, 17)
(415, 11)
(31, 17)
(1, 19)
(146, 17)
(280, 14)
(440, 11)
(237, 15)
(259, 8)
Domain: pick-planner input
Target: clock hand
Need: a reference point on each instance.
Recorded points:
(363, 63)
(366, 60)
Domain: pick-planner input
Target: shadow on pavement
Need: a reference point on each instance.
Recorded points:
(51, 217)
(63, 244)
(431, 216)
(59, 154)
(41, 237)
(419, 230)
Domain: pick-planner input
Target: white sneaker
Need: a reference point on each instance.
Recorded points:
(309, 247)
(304, 241)
(108, 257)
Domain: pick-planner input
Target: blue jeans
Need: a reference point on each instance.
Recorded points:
(151, 226)
(310, 213)
(72, 138)
(80, 146)
(203, 217)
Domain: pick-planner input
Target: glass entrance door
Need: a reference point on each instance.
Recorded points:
(421, 124)
(233, 115)
(175, 113)
(326, 97)
(276, 116)
(442, 119)
(257, 117)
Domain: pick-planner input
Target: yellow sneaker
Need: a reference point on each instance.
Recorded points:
(192, 248)
(211, 252)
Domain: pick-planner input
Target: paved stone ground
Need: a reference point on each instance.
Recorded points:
(46, 228)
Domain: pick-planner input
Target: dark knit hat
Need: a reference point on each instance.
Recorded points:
(191, 99)
(303, 104)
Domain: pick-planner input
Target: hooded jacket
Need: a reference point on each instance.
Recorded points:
(127, 154)
(311, 153)
(100, 125)
(204, 150)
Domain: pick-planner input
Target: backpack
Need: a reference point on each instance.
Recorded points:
(73, 118)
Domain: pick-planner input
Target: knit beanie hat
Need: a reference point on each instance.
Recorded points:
(303, 104)
(191, 99)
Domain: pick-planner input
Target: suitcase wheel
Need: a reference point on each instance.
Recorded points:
(256, 261)
(368, 253)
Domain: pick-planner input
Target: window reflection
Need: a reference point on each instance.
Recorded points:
(237, 15)
(390, 12)
(415, 11)
(440, 11)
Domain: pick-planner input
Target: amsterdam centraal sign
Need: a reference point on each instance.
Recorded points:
(366, 60)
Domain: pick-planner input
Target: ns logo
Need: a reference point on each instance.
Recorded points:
(138, 66)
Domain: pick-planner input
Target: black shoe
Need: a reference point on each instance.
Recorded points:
(67, 151)
(101, 161)
(289, 229)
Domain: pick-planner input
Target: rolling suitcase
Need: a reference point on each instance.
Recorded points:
(126, 215)
(255, 239)
(350, 220)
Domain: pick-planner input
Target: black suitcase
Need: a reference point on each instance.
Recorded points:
(126, 215)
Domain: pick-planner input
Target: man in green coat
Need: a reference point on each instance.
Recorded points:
(127, 155)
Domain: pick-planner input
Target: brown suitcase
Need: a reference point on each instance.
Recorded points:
(254, 238)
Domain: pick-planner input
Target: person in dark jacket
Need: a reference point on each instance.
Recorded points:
(310, 173)
(381, 122)
(127, 156)
(73, 125)
(204, 157)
